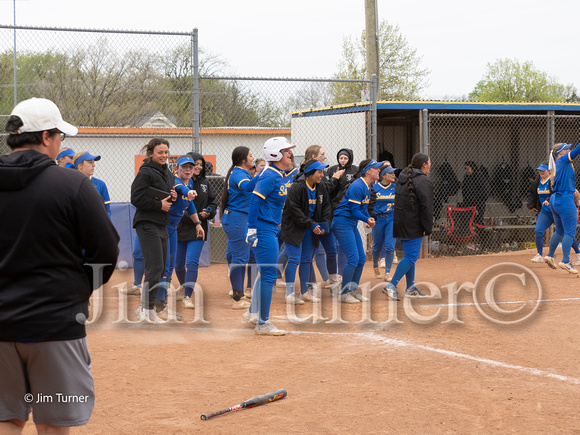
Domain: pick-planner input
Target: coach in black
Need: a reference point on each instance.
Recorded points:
(57, 245)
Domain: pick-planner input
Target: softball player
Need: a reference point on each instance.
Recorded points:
(305, 218)
(85, 162)
(539, 202)
(562, 204)
(352, 208)
(264, 217)
(64, 158)
(184, 202)
(238, 187)
(381, 207)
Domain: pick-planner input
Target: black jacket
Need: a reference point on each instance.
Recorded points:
(149, 208)
(205, 200)
(295, 220)
(533, 197)
(409, 223)
(475, 189)
(338, 191)
(54, 224)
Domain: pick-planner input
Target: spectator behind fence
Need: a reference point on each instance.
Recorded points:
(475, 189)
(57, 246)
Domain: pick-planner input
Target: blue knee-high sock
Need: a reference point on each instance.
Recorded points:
(347, 277)
(237, 276)
(265, 302)
(138, 271)
(554, 241)
(290, 277)
(575, 246)
(389, 257)
(376, 259)
(540, 243)
(566, 246)
(190, 280)
(255, 304)
(162, 289)
(356, 276)
(401, 270)
(410, 276)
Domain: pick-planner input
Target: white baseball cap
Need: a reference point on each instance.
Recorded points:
(40, 114)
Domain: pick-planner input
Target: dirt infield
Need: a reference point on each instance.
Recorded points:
(479, 376)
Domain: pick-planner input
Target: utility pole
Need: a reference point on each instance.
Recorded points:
(372, 39)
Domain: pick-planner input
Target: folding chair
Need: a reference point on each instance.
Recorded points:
(461, 223)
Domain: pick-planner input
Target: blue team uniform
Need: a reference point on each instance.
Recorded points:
(104, 192)
(383, 229)
(235, 221)
(352, 208)
(265, 215)
(562, 205)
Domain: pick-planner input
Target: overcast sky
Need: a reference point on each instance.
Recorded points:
(303, 38)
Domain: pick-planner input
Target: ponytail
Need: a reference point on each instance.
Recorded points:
(239, 154)
(362, 165)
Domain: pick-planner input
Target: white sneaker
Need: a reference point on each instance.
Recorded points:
(577, 260)
(248, 293)
(537, 259)
(358, 295)
(348, 298)
(395, 259)
(149, 316)
(187, 302)
(268, 329)
(180, 292)
(387, 277)
(231, 293)
(378, 273)
(280, 283)
(310, 298)
(382, 263)
(131, 290)
(550, 261)
(292, 298)
(250, 317)
(568, 267)
(240, 305)
(168, 314)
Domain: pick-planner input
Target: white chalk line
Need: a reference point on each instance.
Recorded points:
(401, 343)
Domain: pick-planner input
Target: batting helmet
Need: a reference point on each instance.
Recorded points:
(273, 146)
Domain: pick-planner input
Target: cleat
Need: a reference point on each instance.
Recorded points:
(382, 263)
(348, 298)
(387, 277)
(391, 292)
(550, 261)
(149, 316)
(268, 329)
(250, 317)
(359, 296)
(131, 290)
(187, 302)
(413, 292)
(248, 293)
(293, 298)
(567, 267)
(168, 314)
(395, 259)
(577, 260)
(240, 305)
(537, 259)
(310, 298)
(280, 283)
(378, 273)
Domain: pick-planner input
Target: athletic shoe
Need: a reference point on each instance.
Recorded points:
(131, 290)
(378, 273)
(348, 298)
(248, 293)
(359, 296)
(577, 260)
(240, 305)
(387, 277)
(231, 293)
(250, 317)
(568, 267)
(395, 259)
(382, 263)
(550, 261)
(149, 316)
(537, 259)
(310, 298)
(167, 314)
(413, 292)
(280, 283)
(391, 292)
(180, 292)
(325, 284)
(187, 302)
(268, 329)
(292, 298)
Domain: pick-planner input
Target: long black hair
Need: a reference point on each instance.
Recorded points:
(239, 155)
(417, 162)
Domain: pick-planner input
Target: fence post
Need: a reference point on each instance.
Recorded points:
(196, 141)
(425, 131)
(374, 93)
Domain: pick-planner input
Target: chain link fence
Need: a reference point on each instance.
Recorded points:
(483, 166)
(124, 87)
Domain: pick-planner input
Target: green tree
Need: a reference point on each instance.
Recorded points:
(401, 76)
(511, 80)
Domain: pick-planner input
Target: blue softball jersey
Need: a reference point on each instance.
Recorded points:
(564, 177)
(272, 187)
(544, 193)
(385, 198)
(181, 204)
(240, 187)
(104, 192)
(356, 201)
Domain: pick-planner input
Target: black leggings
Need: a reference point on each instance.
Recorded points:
(153, 240)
